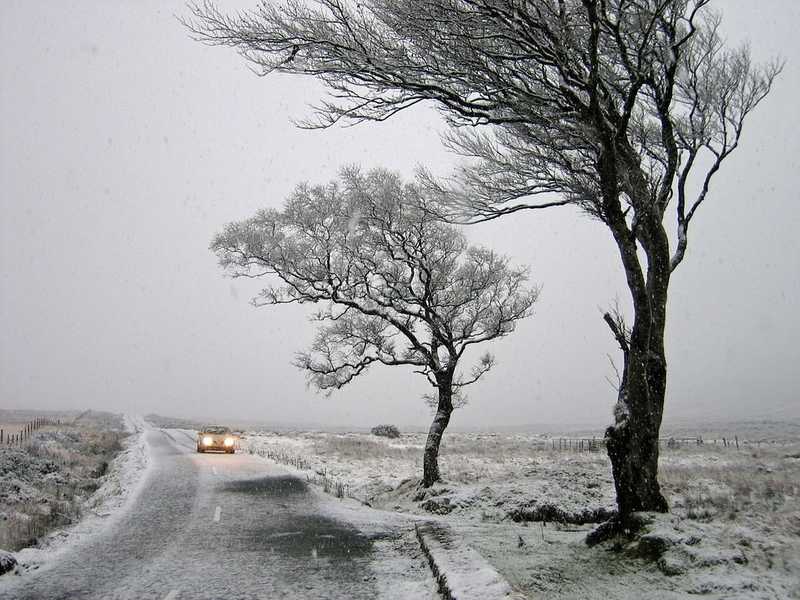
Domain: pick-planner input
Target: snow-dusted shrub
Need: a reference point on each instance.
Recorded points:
(389, 431)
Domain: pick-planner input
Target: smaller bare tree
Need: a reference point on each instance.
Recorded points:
(400, 287)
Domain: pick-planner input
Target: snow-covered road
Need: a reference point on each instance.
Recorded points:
(231, 526)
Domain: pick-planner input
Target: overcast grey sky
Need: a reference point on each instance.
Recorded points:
(124, 146)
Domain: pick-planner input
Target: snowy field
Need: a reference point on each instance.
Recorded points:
(734, 531)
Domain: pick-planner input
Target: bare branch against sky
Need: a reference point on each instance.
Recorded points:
(125, 145)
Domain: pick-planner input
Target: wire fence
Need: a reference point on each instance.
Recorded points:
(595, 444)
(331, 485)
(22, 436)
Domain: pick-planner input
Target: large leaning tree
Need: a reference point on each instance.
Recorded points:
(400, 287)
(624, 108)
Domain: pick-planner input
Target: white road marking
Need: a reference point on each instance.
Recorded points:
(214, 470)
(217, 514)
(172, 595)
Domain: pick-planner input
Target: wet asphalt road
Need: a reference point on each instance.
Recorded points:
(222, 526)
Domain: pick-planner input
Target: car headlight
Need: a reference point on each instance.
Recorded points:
(207, 441)
(229, 441)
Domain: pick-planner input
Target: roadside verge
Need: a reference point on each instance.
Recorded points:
(120, 485)
(461, 572)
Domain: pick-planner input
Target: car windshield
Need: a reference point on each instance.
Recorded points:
(216, 429)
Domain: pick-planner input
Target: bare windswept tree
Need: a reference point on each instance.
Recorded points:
(624, 108)
(400, 287)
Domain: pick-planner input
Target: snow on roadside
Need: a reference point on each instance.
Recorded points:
(120, 485)
(734, 531)
(125, 472)
(460, 570)
(487, 476)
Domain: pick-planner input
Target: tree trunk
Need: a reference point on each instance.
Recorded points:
(632, 442)
(430, 460)
(632, 446)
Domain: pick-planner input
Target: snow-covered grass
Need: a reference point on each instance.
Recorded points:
(44, 481)
(734, 530)
(83, 472)
(487, 476)
(728, 485)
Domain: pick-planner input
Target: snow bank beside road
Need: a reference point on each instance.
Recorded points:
(125, 473)
(462, 573)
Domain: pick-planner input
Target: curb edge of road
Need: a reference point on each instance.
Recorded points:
(460, 572)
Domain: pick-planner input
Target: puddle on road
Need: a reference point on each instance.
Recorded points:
(288, 533)
(304, 536)
(279, 486)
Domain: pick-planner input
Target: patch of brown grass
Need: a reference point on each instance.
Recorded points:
(754, 483)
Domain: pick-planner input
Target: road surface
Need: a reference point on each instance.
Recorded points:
(234, 527)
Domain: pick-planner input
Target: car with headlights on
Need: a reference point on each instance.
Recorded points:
(217, 438)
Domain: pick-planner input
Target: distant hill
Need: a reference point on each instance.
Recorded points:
(709, 429)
